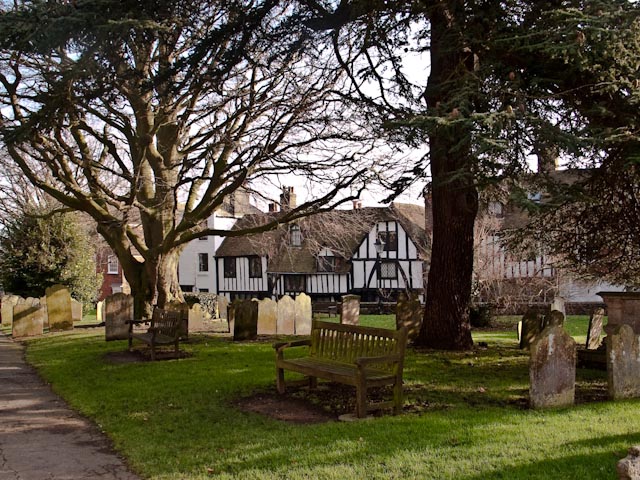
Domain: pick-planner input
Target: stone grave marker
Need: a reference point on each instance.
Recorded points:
(100, 311)
(559, 304)
(303, 315)
(267, 317)
(76, 310)
(118, 308)
(629, 467)
(245, 320)
(183, 312)
(594, 333)
(623, 363)
(286, 316)
(196, 318)
(223, 307)
(555, 318)
(350, 310)
(8, 302)
(552, 369)
(28, 320)
(531, 327)
(59, 308)
(409, 313)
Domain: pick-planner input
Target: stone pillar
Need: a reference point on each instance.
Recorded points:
(303, 315)
(623, 363)
(350, 314)
(552, 369)
(59, 308)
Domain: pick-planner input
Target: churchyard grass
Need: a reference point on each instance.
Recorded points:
(466, 416)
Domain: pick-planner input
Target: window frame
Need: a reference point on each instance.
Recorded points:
(203, 266)
(111, 271)
(300, 287)
(326, 263)
(229, 267)
(385, 236)
(295, 236)
(254, 261)
(388, 276)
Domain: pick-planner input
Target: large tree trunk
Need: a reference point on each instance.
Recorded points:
(455, 197)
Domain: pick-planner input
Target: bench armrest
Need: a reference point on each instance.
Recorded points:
(296, 343)
(364, 361)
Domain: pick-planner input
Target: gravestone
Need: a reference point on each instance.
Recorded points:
(223, 307)
(267, 317)
(594, 332)
(183, 312)
(552, 369)
(623, 308)
(8, 302)
(559, 304)
(530, 328)
(409, 313)
(100, 311)
(245, 320)
(28, 320)
(623, 363)
(555, 318)
(76, 310)
(286, 316)
(350, 314)
(196, 318)
(303, 315)
(629, 467)
(118, 308)
(59, 308)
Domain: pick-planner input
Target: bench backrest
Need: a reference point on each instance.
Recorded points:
(345, 343)
(166, 322)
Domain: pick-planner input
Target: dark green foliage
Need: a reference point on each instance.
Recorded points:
(37, 251)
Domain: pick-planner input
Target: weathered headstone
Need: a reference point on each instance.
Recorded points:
(267, 317)
(555, 318)
(594, 332)
(8, 302)
(286, 316)
(409, 313)
(196, 318)
(245, 319)
(552, 369)
(531, 327)
(100, 311)
(183, 312)
(350, 310)
(59, 308)
(76, 310)
(223, 307)
(629, 467)
(623, 363)
(303, 315)
(118, 308)
(28, 320)
(559, 304)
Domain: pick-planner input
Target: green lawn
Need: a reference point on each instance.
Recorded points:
(466, 415)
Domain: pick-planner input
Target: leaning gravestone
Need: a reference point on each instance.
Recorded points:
(118, 308)
(409, 313)
(245, 319)
(286, 316)
(552, 369)
(28, 320)
(595, 329)
(303, 315)
(267, 317)
(59, 308)
(531, 327)
(350, 310)
(623, 363)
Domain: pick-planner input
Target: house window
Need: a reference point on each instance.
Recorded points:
(203, 262)
(255, 267)
(229, 267)
(294, 283)
(295, 236)
(326, 264)
(112, 264)
(390, 240)
(388, 270)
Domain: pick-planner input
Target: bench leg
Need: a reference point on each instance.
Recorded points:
(361, 401)
(313, 383)
(280, 380)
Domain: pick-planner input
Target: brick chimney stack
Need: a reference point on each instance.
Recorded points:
(287, 199)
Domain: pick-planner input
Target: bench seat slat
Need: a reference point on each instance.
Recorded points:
(332, 370)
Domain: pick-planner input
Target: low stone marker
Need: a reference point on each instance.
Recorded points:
(245, 319)
(76, 310)
(530, 328)
(303, 315)
(59, 308)
(28, 321)
(629, 467)
(409, 313)
(623, 363)
(118, 308)
(286, 316)
(267, 317)
(552, 369)
(100, 311)
(594, 332)
(8, 302)
(196, 317)
(559, 304)
(223, 307)
(350, 310)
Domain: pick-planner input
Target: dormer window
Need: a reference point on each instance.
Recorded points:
(389, 241)
(295, 236)
(326, 264)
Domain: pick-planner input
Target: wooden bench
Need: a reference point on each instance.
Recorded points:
(165, 329)
(360, 356)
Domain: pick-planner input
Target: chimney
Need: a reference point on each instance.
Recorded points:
(547, 154)
(357, 204)
(287, 199)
